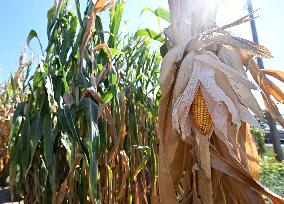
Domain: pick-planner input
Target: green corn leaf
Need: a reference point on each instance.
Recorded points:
(78, 10)
(35, 135)
(31, 35)
(83, 81)
(14, 130)
(116, 17)
(73, 27)
(48, 150)
(163, 50)
(159, 12)
(92, 142)
(82, 188)
(99, 29)
(107, 97)
(147, 153)
(16, 158)
(66, 117)
(147, 32)
(15, 150)
(51, 15)
(141, 166)
(116, 52)
(19, 111)
(25, 145)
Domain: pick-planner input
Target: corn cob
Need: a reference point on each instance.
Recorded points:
(200, 114)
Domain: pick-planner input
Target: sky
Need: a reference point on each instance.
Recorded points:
(18, 17)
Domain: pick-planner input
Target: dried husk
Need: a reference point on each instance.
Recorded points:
(268, 89)
(192, 168)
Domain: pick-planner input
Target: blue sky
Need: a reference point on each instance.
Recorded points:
(18, 17)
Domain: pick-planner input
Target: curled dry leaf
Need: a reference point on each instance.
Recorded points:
(268, 89)
(168, 67)
(64, 187)
(126, 168)
(232, 58)
(245, 46)
(99, 5)
(274, 73)
(102, 46)
(272, 108)
(106, 69)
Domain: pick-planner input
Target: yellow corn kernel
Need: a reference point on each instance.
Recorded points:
(200, 114)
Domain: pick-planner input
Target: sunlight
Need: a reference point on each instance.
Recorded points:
(230, 10)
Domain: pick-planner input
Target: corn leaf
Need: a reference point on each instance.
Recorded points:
(159, 12)
(146, 32)
(48, 150)
(274, 73)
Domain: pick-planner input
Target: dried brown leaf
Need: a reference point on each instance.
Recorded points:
(124, 173)
(239, 173)
(248, 151)
(102, 46)
(98, 6)
(272, 89)
(64, 187)
(177, 166)
(166, 187)
(265, 84)
(245, 46)
(168, 141)
(274, 73)
(168, 68)
(232, 58)
(273, 109)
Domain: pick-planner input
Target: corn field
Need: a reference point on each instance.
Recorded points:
(107, 118)
(87, 130)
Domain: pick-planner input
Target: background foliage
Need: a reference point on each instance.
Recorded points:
(272, 173)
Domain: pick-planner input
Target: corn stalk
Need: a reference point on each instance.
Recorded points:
(11, 94)
(87, 132)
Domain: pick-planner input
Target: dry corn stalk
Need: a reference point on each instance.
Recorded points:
(5, 126)
(207, 154)
(7, 103)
